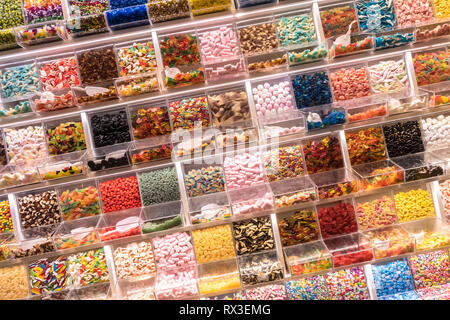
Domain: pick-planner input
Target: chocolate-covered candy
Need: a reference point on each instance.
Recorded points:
(253, 235)
(39, 209)
(258, 38)
(229, 107)
(38, 248)
(260, 268)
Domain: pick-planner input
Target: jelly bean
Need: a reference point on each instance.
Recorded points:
(5, 217)
(430, 269)
(283, 163)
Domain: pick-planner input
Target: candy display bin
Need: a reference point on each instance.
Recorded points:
(47, 101)
(65, 136)
(182, 64)
(13, 88)
(391, 241)
(177, 283)
(351, 249)
(366, 111)
(394, 38)
(432, 31)
(435, 58)
(325, 116)
(110, 157)
(80, 26)
(307, 258)
(209, 208)
(378, 174)
(100, 92)
(79, 200)
(350, 82)
(323, 153)
(162, 217)
(109, 128)
(434, 293)
(267, 62)
(96, 66)
(368, 15)
(189, 112)
(98, 291)
(305, 35)
(5, 240)
(36, 241)
(119, 192)
(135, 57)
(376, 210)
(218, 35)
(401, 103)
(337, 218)
(19, 175)
(260, 268)
(63, 166)
(299, 226)
(8, 39)
(136, 85)
(284, 128)
(335, 183)
(293, 192)
(229, 108)
(119, 224)
(218, 277)
(155, 149)
(80, 9)
(40, 33)
(249, 3)
(357, 43)
(195, 143)
(129, 17)
(439, 94)
(239, 138)
(150, 121)
(58, 72)
(202, 177)
(421, 165)
(307, 54)
(336, 18)
(198, 7)
(279, 106)
(166, 10)
(76, 233)
(138, 290)
(414, 201)
(267, 40)
(253, 199)
(429, 234)
(16, 109)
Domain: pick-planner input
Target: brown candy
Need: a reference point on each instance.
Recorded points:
(229, 107)
(258, 38)
(97, 65)
(39, 209)
(253, 235)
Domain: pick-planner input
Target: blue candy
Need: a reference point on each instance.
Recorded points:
(116, 4)
(376, 15)
(409, 295)
(250, 3)
(127, 17)
(393, 40)
(392, 278)
(311, 89)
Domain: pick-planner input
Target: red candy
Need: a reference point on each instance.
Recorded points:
(59, 74)
(337, 219)
(120, 194)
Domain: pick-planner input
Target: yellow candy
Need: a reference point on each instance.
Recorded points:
(414, 205)
(442, 8)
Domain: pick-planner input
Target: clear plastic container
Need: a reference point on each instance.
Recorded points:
(350, 249)
(337, 218)
(249, 3)
(378, 174)
(199, 7)
(375, 211)
(194, 143)
(15, 85)
(110, 157)
(180, 283)
(134, 261)
(209, 208)
(251, 200)
(307, 258)
(63, 166)
(138, 290)
(296, 227)
(202, 178)
(16, 109)
(218, 277)
(165, 10)
(100, 92)
(79, 200)
(52, 101)
(129, 17)
(284, 128)
(97, 65)
(336, 18)
(189, 112)
(419, 166)
(366, 112)
(76, 233)
(394, 38)
(308, 54)
(120, 224)
(268, 62)
(414, 201)
(40, 33)
(359, 43)
(260, 268)
(350, 82)
(136, 85)
(436, 59)
(80, 26)
(293, 192)
(324, 116)
(100, 291)
(238, 138)
(8, 39)
(335, 183)
(267, 40)
(19, 175)
(150, 121)
(429, 234)
(162, 217)
(439, 94)
(36, 241)
(432, 31)
(150, 150)
(296, 28)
